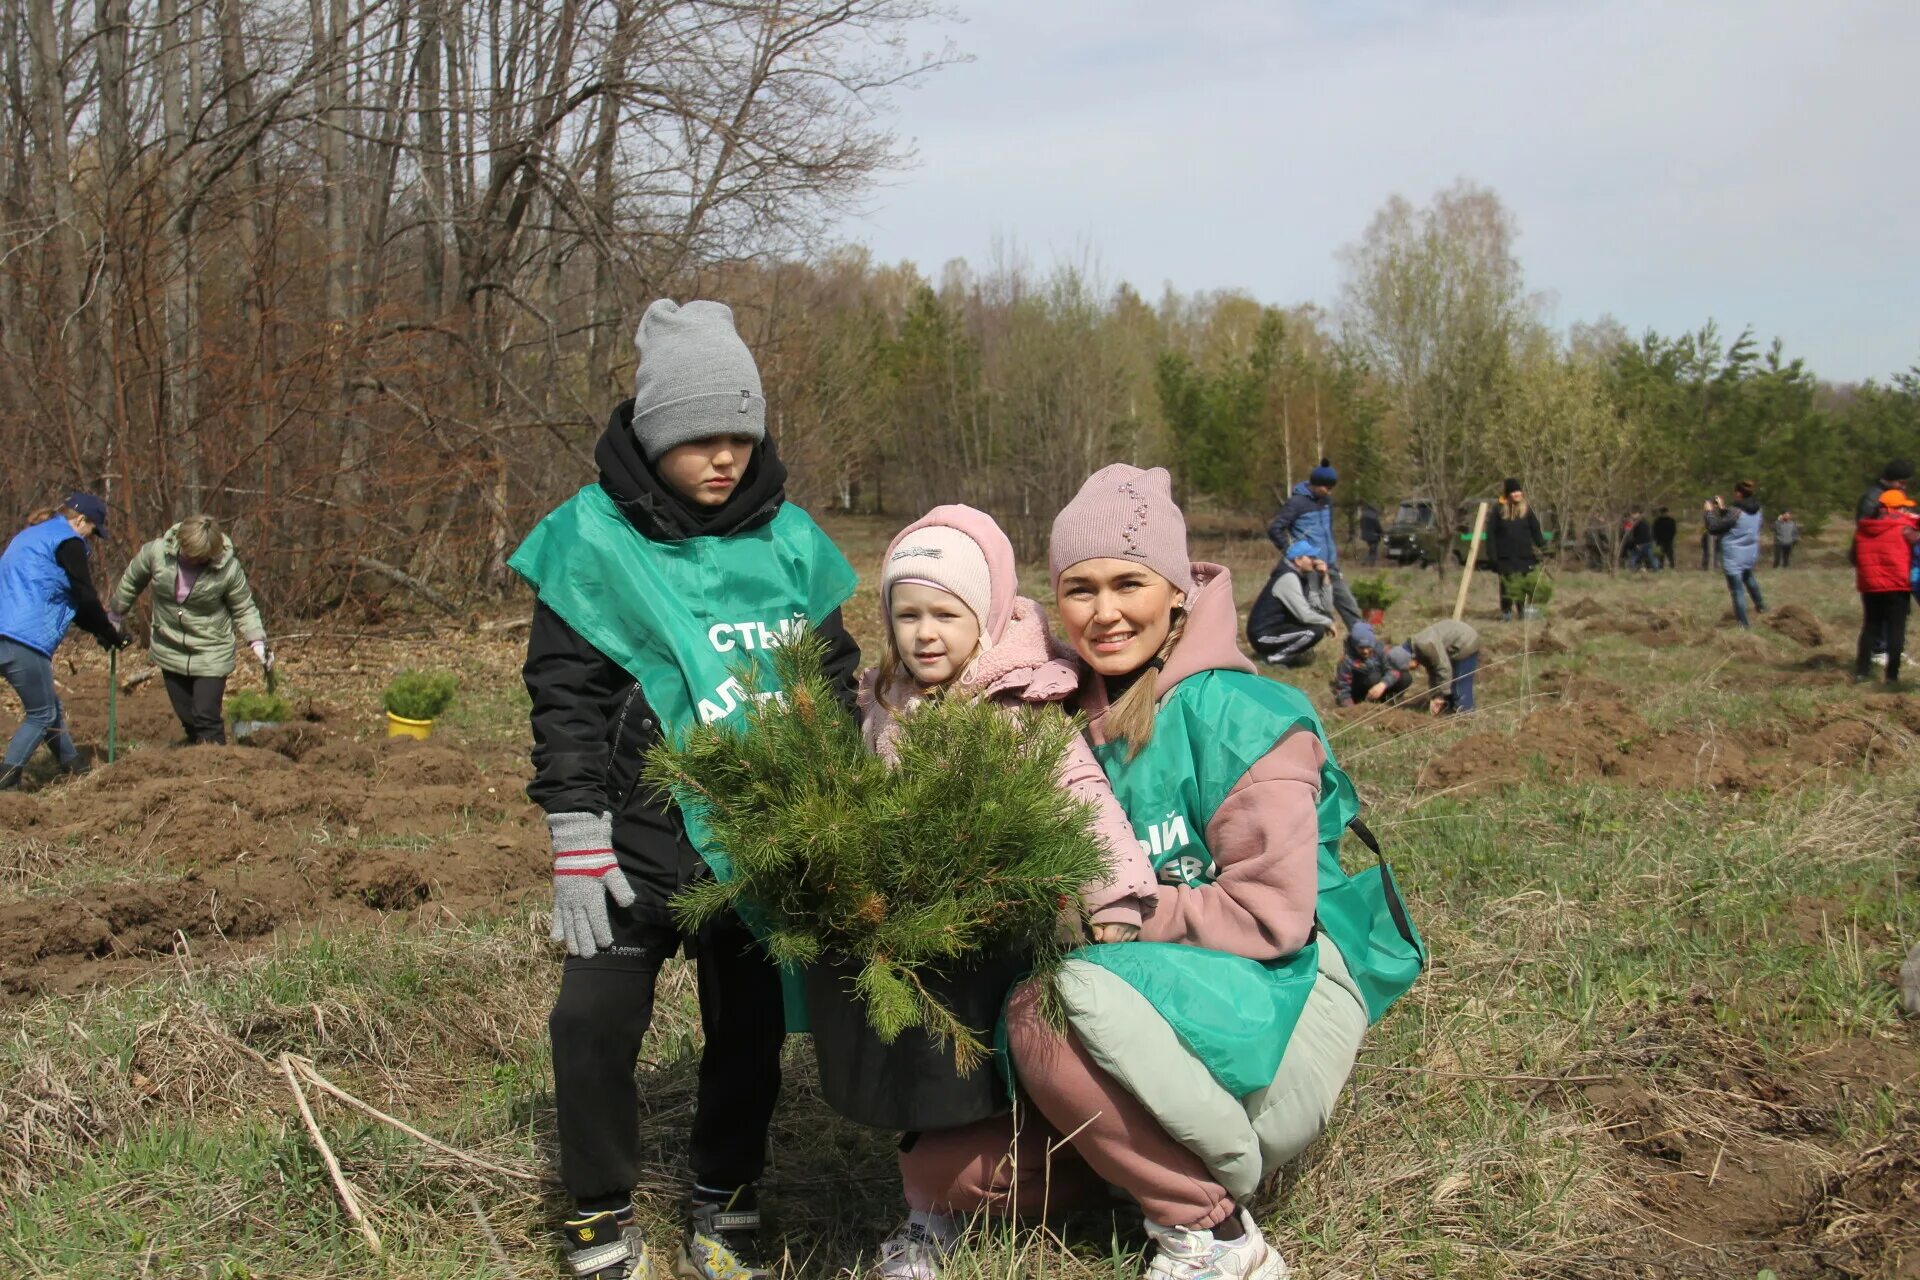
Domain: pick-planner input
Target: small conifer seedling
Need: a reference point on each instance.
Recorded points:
(966, 848)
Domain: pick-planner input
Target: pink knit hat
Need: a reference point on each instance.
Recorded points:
(1123, 513)
(961, 550)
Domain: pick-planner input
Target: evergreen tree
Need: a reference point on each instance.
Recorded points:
(966, 846)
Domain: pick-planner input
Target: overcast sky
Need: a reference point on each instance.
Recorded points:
(1751, 161)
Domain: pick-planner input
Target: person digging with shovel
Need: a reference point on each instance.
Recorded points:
(45, 587)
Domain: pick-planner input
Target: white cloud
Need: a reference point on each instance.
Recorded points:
(1666, 163)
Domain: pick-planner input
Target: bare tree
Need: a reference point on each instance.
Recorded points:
(1433, 301)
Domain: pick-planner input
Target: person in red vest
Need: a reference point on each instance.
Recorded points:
(1883, 575)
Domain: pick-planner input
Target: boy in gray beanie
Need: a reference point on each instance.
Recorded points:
(636, 635)
(696, 381)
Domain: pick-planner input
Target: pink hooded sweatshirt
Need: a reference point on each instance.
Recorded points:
(1022, 665)
(1265, 836)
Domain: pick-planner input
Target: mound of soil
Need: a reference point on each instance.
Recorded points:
(1865, 1219)
(189, 848)
(1746, 1170)
(1797, 625)
(1580, 610)
(1656, 629)
(1511, 640)
(1601, 738)
(1591, 733)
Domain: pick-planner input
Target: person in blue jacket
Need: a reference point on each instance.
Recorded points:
(1307, 516)
(45, 587)
(1738, 528)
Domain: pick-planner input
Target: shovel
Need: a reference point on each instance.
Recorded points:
(113, 702)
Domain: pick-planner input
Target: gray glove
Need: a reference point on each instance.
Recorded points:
(584, 873)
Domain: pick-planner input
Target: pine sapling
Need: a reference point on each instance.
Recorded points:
(966, 847)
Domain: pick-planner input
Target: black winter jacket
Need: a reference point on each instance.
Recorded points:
(592, 724)
(1514, 541)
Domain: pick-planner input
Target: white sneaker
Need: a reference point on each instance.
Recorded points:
(1879, 659)
(1182, 1254)
(917, 1248)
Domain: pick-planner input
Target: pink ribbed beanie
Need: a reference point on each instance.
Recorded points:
(1123, 513)
(962, 551)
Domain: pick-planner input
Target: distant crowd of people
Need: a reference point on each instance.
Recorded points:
(1306, 600)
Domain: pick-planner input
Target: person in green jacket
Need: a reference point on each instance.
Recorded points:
(200, 599)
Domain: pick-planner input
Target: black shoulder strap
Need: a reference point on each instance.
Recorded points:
(1366, 835)
(1395, 907)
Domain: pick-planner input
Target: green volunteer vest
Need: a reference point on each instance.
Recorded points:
(1237, 1014)
(686, 619)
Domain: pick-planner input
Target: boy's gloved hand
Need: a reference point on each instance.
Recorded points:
(584, 873)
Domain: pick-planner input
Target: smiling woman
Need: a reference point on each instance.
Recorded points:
(1239, 1036)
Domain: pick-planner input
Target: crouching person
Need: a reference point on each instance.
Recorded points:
(1362, 674)
(684, 562)
(1449, 652)
(1212, 1051)
(1295, 610)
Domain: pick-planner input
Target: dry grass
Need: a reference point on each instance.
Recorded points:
(1659, 1036)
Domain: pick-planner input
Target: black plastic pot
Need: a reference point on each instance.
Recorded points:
(912, 1083)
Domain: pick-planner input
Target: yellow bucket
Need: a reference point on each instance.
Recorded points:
(401, 727)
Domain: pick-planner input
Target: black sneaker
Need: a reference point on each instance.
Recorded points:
(606, 1246)
(10, 777)
(722, 1242)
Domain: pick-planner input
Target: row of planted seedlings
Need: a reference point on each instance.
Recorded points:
(413, 701)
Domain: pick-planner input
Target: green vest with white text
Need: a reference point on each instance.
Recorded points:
(1234, 1013)
(685, 618)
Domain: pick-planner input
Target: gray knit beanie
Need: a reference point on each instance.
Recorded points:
(697, 379)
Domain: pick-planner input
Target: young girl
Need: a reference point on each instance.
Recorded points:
(1187, 1072)
(956, 628)
(200, 598)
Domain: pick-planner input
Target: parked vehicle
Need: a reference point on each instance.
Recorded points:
(1410, 535)
(1414, 537)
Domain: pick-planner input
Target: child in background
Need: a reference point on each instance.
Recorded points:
(1449, 651)
(1883, 561)
(1362, 673)
(955, 628)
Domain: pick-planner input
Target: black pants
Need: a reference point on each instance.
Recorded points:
(1883, 625)
(196, 700)
(1667, 558)
(1782, 552)
(603, 1011)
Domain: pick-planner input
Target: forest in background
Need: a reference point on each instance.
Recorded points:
(362, 280)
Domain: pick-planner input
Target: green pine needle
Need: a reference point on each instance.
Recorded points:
(967, 848)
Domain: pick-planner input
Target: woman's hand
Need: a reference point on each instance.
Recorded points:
(1116, 933)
